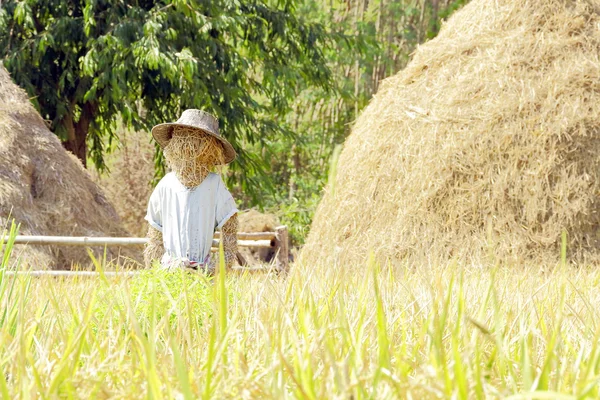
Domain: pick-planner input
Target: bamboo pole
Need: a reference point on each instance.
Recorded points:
(116, 241)
(78, 240)
(250, 243)
(277, 240)
(252, 235)
(114, 274)
(72, 274)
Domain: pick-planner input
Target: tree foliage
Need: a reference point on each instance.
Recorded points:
(85, 63)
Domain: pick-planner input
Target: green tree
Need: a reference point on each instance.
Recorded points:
(87, 62)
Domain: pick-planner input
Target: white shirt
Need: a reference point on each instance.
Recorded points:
(188, 217)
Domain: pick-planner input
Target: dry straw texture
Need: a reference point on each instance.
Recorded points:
(191, 154)
(486, 145)
(127, 183)
(45, 188)
(255, 221)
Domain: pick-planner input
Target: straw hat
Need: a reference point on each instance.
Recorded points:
(197, 119)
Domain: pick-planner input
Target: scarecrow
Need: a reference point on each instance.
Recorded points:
(190, 202)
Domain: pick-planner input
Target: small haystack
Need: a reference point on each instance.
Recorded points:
(255, 221)
(45, 188)
(486, 145)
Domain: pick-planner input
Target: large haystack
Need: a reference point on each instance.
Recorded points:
(487, 144)
(45, 188)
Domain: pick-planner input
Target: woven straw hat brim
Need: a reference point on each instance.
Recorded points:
(163, 133)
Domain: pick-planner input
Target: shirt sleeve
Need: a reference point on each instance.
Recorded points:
(154, 214)
(226, 206)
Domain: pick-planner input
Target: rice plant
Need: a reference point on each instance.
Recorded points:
(447, 332)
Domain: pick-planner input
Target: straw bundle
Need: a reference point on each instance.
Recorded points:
(255, 221)
(192, 154)
(486, 145)
(45, 188)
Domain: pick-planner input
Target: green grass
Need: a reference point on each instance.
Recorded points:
(370, 332)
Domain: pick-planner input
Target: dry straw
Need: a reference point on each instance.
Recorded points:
(191, 154)
(127, 182)
(255, 221)
(485, 146)
(45, 188)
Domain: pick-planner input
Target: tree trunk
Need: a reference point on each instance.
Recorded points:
(77, 132)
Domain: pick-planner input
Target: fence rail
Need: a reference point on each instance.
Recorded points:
(116, 241)
(112, 274)
(277, 240)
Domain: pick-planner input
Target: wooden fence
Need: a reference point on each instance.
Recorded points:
(278, 241)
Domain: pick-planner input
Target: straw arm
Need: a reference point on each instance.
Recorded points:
(230, 242)
(154, 249)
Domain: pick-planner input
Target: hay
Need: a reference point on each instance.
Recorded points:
(486, 145)
(192, 154)
(154, 249)
(126, 184)
(45, 188)
(255, 221)
(230, 244)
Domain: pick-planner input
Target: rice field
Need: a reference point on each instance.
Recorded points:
(366, 332)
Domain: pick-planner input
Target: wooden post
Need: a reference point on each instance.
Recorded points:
(282, 248)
